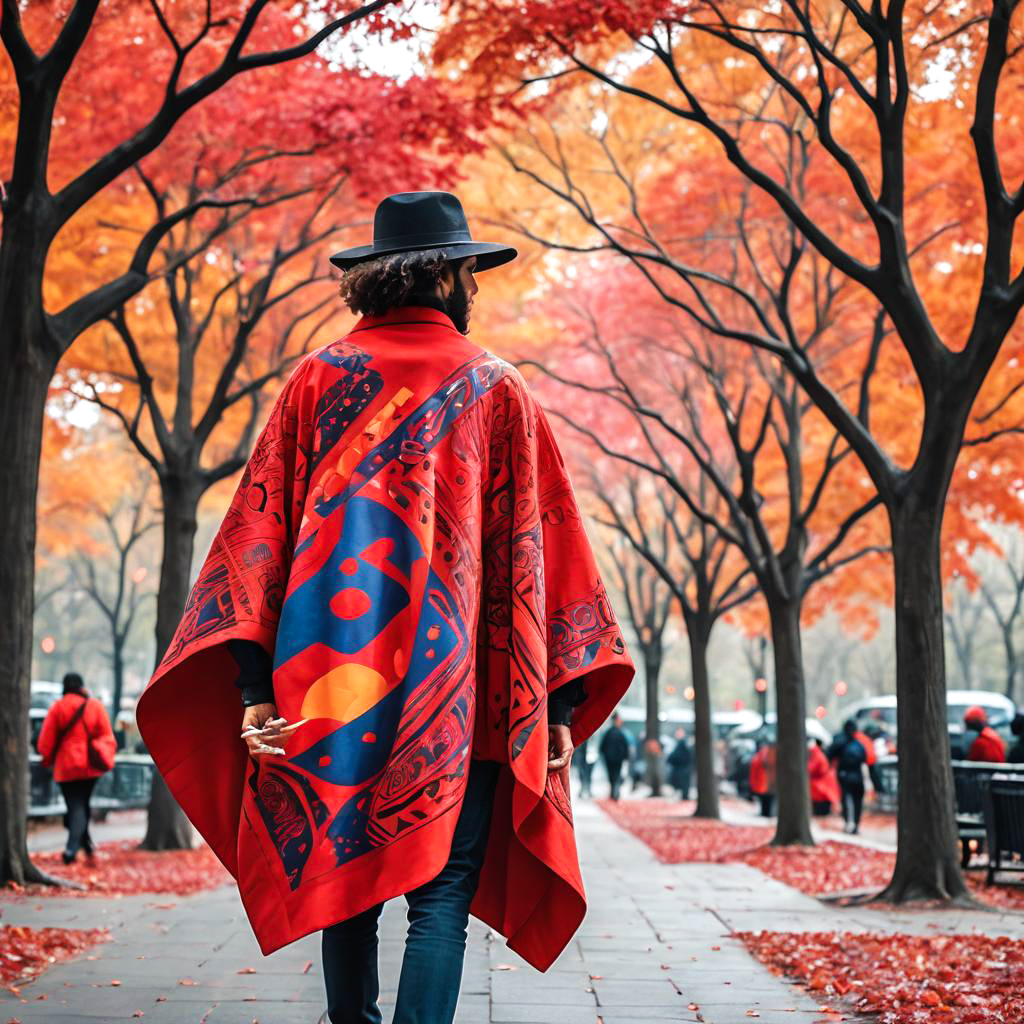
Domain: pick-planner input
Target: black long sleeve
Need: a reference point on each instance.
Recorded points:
(564, 701)
(255, 672)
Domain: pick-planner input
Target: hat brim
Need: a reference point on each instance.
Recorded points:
(488, 254)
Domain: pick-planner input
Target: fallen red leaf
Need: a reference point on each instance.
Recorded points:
(904, 979)
(26, 952)
(121, 868)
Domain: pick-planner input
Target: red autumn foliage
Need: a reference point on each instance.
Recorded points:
(904, 979)
(121, 869)
(26, 952)
(827, 868)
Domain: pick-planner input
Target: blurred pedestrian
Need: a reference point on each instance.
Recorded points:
(680, 765)
(824, 784)
(77, 742)
(848, 755)
(988, 744)
(585, 758)
(614, 750)
(877, 749)
(762, 776)
(1015, 755)
(654, 765)
(122, 729)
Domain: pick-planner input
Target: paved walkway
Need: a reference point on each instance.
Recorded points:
(655, 947)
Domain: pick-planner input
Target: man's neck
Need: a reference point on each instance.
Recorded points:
(433, 301)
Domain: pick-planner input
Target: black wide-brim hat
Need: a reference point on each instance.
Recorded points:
(414, 221)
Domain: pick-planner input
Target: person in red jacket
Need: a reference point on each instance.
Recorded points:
(988, 744)
(75, 723)
(762, 776)
(824, 784)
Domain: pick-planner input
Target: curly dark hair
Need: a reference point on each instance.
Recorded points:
(374, 287)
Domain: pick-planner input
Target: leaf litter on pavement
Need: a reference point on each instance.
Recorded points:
(120, 868)
(26, 952)
(904, 979)
(830, 867)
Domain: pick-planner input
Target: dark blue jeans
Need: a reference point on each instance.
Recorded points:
(435, 947)
(77, 793)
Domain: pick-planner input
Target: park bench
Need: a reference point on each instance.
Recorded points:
(1003, 794)
(887, 773)
(970, 779)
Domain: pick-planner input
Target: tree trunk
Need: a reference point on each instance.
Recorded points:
(703, 735)
(652, 759)
(180, 499)
(167, 827)
(117, 669)
(1011, 659)
(927, 861)
(792, 785)
(23, 389)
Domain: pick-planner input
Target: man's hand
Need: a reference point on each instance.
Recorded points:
(275, 731)
(560, 752)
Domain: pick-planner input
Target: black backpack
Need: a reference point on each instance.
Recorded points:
(852, 758)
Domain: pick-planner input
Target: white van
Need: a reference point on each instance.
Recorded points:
(999, 709)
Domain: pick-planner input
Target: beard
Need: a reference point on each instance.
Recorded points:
(457, 306)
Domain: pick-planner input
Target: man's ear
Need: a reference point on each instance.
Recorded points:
(447, 280)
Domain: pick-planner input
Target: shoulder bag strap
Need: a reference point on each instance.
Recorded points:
(67, 728)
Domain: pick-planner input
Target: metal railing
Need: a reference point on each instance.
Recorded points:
(127, 785)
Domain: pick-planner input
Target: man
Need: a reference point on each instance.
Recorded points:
(848, 755)
(614, 751)
(762, 774)
(680, 763)
(76, 741)
(988, 744)
(403, 591)
(1015, 755)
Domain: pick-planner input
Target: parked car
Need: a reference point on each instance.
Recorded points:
(882, 710)
(724, 722)
(44, 693)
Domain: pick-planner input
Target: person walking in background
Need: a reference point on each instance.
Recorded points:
(637, 764)
(680, 764)
(585, 757)
(1015, 755)
(614, 750)
(762, 776)
(848, 755)
(654, 765)
(879, 748)
(988, 744)
(77, 742)
(868, 743)
(824, 784)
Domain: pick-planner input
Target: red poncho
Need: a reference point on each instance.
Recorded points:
(405, 541)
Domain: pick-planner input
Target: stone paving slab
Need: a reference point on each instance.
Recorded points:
(656, 946)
